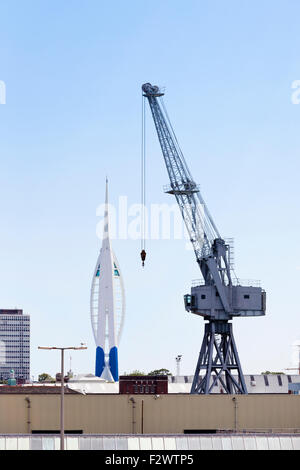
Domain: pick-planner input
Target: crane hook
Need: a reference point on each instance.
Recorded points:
(143, 256)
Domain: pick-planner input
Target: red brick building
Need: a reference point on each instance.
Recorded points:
(143, 384)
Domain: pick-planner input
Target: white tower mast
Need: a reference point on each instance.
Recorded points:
(107, 305)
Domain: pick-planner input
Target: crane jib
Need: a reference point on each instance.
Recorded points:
(200, 226)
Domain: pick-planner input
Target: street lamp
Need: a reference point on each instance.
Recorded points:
(62, 425)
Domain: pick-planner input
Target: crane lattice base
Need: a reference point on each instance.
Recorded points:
(218, 358)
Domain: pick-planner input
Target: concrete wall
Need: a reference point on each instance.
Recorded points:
(170, 414)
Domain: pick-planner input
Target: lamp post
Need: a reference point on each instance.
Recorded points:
(62, 424)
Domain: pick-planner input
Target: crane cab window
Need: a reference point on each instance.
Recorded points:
(189, 300)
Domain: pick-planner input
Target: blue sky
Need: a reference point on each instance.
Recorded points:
(73, 72)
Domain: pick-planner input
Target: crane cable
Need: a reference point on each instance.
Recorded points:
(143, 184)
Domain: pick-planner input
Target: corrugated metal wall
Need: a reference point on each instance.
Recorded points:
(164, 414)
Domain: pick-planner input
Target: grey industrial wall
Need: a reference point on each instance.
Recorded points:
(116, 414)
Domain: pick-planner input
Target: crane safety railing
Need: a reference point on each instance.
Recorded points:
(235, 282)
(189, 187)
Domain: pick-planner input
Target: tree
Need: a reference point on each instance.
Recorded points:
(153, 372)
(136, 372)
(45, 378)
(160, 372)
(267, 372)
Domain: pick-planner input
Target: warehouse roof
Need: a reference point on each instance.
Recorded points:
(34, 389)
(258, 383)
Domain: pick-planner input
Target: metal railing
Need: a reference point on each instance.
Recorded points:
(235, 282)
(195, 188)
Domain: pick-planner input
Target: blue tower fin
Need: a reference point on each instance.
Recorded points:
(100, 362)
(113, 363)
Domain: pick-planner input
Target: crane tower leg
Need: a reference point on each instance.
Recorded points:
(218, 359)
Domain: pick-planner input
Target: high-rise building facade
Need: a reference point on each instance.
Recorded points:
(14, 344)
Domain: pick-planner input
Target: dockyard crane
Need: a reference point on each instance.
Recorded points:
(219, 296)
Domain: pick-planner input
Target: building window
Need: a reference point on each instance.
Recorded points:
(246, 296)
(116, 272)
(279, 380)
(203, 296)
